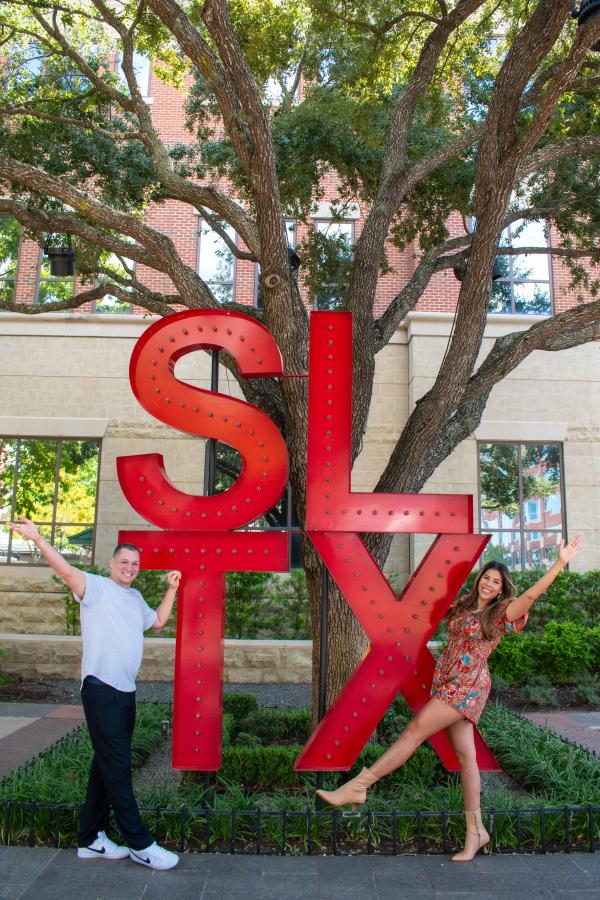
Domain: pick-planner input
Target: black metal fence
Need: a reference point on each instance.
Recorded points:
(309, 832)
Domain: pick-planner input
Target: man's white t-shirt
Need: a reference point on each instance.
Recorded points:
(113, 621)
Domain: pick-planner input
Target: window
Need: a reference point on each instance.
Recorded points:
(290, 233)
(521, 502)
(10, 236)
(283, 517)
(53, 482)
(216, 262)
(110, 303)
(524, 285)
(141, 68)
(53, 288)
(335, 258)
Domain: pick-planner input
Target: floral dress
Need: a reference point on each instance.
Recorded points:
(462, 678)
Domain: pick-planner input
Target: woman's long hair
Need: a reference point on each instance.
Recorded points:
(469, 601)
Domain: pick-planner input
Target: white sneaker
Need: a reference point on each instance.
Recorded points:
(155, 857)
(102, 848)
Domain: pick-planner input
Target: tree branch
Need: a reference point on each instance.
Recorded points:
(193, 290)
(83, 124)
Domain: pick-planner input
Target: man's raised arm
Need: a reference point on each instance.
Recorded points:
(72, 577)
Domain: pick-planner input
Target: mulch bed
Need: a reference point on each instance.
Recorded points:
(36, 690)
(33, 690)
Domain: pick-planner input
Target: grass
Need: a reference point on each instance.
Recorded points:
(258, 801)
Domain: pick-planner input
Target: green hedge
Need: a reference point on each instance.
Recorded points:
(561, 653)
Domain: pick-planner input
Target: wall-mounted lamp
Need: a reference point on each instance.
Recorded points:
(62, 258)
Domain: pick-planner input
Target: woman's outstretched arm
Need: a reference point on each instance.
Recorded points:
(520, 605)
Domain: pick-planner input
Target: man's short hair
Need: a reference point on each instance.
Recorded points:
(120, 547)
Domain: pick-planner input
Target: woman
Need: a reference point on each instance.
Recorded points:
(461, 684)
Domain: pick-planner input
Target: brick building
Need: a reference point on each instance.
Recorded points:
(533, 464)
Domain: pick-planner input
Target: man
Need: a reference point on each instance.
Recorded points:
(114, 617)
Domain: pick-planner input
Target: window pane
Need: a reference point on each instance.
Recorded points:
(541, 485)
(333, 268)
(290, 230)
(75, 543)
(528, 234)
(55, 291)
(532, 266)
(511, 294)
(344, 230)
(528, 474)
(62, 503)
(503, 548)
(111, 305)
(77, 482)
(499, 482)
(216, 263)
(532, 299)
(10, 233)
(25, 552)
(541, 549)
(8, 453)
(141, 69)
(500, 297)
(36, 479)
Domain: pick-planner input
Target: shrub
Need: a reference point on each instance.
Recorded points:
(587, 690)
(562, 650)
(261, 768)
(290, 617)
(514, 659)
(228, 726)
(245, 607)
(246, 739)
(273, 726)
(239, 705)
(539, 691)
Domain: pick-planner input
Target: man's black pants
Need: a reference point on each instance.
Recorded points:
(110, 717)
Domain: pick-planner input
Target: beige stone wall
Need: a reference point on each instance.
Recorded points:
(246, 662)
(68, 375)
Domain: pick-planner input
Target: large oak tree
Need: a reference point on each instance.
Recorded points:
(417, 107)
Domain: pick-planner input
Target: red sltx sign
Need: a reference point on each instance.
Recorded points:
(200, 541)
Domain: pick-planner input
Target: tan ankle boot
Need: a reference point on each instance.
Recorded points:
(476, 839)
(353, 791)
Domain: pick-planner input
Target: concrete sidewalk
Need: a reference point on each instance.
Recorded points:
(28, 728)
(581, 728)
(44, 874)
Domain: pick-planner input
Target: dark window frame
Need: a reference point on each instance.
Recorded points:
(234, 265)
(521, 528)
(317, 220)
(60, 439)
(511, 280)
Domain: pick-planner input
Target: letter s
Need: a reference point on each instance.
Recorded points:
(196, 411)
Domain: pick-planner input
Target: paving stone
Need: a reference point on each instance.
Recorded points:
(31, 710)
(22, 745)
(12, 891)
(23, 864)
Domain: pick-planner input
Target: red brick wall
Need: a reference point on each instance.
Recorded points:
(180, 223)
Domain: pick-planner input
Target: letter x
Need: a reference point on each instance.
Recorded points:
(398, 659)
